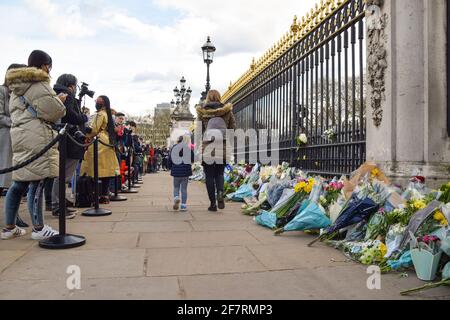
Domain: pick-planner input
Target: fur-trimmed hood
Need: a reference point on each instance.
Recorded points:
(212, 111)
(20, 80)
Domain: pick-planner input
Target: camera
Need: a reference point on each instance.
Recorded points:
(84, 91)
(79, 136)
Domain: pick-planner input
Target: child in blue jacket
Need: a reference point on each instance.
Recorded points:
(181, 169)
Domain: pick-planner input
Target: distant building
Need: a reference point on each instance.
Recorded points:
(163, 109)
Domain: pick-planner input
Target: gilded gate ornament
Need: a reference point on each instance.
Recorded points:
(376, 58)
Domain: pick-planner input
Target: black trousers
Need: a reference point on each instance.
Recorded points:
(48, 188)
(105, 186)
(214, 180)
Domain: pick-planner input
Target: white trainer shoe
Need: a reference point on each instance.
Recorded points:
(45, 233)
(14, 233)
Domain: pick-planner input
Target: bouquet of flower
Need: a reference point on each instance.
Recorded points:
(329, 135)
(275, 190)
(377, 226)
(374, 253)
(332, 192)
(302, 140)
(445, 196)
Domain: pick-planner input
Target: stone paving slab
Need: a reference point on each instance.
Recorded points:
(202, 216)
(196, 239)
(161, 226)
(223, 225)
(320, 284)
(9, 257)
(111, 240)
(144, 288)
(296, 256)
(48, 265)
(147, 251)
(152, 217)
(88, 227)
(22, 244)
(191, 261)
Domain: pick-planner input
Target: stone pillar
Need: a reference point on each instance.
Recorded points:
(407, 90)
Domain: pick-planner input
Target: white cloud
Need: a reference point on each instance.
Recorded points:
(138, 62)
(63, 22)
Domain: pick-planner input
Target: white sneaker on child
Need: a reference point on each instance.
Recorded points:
(183, 208)
(45, 233)
(14, 233)
(176, 205)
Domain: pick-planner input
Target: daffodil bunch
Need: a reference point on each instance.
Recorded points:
(417, 204)
(304, 186)
(440, 217)
(375, 173)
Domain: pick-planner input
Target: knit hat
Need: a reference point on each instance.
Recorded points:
(39, 58)
(67, 80)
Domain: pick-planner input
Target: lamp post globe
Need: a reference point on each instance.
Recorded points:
(208, 57)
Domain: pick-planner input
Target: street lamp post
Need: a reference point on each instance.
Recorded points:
(180, 93)
(208, 57)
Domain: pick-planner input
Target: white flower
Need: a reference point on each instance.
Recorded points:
(303, 138)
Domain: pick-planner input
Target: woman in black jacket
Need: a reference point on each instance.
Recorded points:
(67, 85)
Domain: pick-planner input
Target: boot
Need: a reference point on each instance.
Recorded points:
(212, 208)
(221, 200)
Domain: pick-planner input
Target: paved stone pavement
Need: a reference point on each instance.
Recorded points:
(146, 251)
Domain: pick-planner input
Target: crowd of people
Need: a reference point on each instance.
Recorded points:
(31, 115)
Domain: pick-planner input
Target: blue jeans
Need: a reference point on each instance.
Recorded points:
(180, 184)
(34, 201)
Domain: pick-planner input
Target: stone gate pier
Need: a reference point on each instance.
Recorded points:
(407, 105)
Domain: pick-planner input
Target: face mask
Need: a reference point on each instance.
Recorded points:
(98, 107)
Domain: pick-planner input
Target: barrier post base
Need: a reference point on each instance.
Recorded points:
(61, 242)
(117, 199)
(129, 191)
(97, 212)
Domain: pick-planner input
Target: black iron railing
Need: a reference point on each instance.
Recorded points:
(316, 88)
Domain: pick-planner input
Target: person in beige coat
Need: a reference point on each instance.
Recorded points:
(103, 128)
(34, 108)
(5, 140)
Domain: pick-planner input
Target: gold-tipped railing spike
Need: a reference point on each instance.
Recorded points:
(298, 30)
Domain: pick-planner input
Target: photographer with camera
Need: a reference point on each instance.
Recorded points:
(66, 85)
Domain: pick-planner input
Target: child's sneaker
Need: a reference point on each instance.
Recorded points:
(45, 233)
(14, 233)
(176, 206)
(183, 208)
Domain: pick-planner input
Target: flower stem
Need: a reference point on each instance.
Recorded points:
(427, 287)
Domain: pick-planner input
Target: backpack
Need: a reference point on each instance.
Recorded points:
(85, 192)
(216, 130)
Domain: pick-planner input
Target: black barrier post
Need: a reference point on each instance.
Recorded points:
(140, 180)
(136, 174)
(116, 197)
(63, 240)
(96, 211)
(130, 186)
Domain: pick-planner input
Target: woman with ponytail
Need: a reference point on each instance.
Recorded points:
(103, 128)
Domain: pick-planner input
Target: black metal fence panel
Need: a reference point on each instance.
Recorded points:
(316, 88)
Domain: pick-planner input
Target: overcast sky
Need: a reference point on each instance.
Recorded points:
(136, 51)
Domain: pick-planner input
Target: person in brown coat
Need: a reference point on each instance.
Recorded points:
(215, 116)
